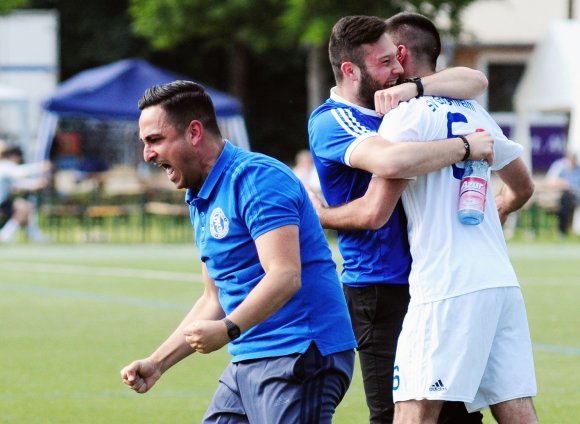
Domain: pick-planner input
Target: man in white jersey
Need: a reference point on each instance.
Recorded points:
(465, 336)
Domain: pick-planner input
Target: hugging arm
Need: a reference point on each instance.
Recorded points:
(517, 190)
(369, 212)
(404, 160)
(457, 83)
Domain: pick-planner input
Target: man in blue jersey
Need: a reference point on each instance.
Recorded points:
(460, 273)
(271, 288)
(347, 150)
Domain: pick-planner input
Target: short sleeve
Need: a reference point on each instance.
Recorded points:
(270, 197)
(336, 132)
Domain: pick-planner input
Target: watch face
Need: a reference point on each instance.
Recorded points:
(233, 329)
(234, 332)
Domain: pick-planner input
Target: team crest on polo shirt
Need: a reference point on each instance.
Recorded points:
(219, 225)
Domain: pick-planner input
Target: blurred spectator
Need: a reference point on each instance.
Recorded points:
(564, 174)
(305, 170)
(16, 212)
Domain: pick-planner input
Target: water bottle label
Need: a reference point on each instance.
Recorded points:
(472, 193)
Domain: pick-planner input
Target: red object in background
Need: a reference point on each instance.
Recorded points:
(68, 144)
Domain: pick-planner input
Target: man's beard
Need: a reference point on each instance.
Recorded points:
(367, 88)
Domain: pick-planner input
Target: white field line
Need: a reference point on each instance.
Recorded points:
(101, 271)
(91, 296)
(158, 275)
(561, 281)
(40, 267)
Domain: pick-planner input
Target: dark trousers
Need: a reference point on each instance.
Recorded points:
(6, 211)
(568, 204)
(377, 312)
(298, 388)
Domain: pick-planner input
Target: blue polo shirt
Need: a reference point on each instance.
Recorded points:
(369, 257)
(245, 195)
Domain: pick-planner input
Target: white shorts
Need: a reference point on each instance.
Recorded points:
(474, 348)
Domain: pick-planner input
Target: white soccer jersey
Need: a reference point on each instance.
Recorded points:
(450, 258)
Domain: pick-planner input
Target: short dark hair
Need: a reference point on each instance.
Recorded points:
(183, 101)
(12, 151)
(347, 37)
(418, 34)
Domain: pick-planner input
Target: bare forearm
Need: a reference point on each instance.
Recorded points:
(510, 201)
(404, 160)
(557, 183)
(369, 212)
(409, 159)
(279, 252)
(517, 190)
(174, 348)
(272, 293)
(457, 83)
(507, 201)
(347, 217)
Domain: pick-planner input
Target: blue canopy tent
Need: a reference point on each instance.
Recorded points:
(111, 92)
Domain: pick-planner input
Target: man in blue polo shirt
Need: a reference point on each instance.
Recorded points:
(271, 288)
(347, 151)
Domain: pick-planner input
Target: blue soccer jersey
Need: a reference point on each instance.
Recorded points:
(369, 257)
(244, 196)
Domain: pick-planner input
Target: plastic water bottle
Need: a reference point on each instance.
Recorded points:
(472, 191)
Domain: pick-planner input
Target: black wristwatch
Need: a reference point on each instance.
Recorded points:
(233, 329)
(418, 83)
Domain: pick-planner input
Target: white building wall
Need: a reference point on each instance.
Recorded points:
(513, 21)
(29, 60)
(504, 32)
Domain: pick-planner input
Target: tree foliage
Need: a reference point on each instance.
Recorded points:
(240, 27)
(311, 22)
(258, 50)
(243, 26)
(6, 6)
(167, 23)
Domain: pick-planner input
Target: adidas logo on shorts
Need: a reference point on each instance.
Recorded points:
(438, 386)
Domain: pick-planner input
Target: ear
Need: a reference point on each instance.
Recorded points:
(402, 54)
(350, 71)
(194, 132)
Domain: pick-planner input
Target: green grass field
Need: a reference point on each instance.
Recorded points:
(73, 315)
